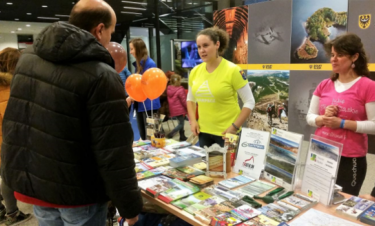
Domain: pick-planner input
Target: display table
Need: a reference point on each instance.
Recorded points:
(190, 218)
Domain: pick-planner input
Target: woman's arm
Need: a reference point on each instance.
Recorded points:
(313, 118)
(367, 126)
(192, 107)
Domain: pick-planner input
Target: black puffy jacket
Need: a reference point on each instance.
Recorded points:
(67, 138)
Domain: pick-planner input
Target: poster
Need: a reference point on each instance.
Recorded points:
(313, 24)
(360, 22)
(251, 152)
(282, 157)
(271, 94)
(234, 21)
(270, 33)
(302, 86)
(321, 168)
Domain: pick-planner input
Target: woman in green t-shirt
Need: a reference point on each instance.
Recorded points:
(214, 85)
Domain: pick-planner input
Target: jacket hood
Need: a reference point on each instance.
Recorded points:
(65, 43)
(5, 78)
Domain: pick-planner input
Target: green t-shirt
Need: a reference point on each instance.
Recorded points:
(216, 95)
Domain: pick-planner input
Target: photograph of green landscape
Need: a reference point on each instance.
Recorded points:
(270, 90)
(313, 24)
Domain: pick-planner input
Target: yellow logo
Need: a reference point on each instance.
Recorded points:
(364, 21)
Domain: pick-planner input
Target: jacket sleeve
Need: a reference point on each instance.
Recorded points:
(111, 141)
(182, 96)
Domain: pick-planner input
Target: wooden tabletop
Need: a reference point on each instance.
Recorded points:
(190, 218)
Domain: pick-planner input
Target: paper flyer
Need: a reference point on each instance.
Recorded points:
(251, 152)
(321, 167)
(282, 157)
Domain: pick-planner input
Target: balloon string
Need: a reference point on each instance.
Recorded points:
(145, 108)
(152, 114)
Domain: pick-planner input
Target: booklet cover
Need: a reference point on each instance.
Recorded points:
(354, 207)
(225, 219)
(190, 170)
(150, 173)
(245, 212)
(235, 182)
(251, 152)
(368, 216)
(190, 200)
(278, 213)
(174, 173)
(182, 189)
(282, 157)
(260, 220)
(256, 188)
(297, 202)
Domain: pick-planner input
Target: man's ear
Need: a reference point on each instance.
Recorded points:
(97, 31)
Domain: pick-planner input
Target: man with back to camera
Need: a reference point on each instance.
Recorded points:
(67, 139)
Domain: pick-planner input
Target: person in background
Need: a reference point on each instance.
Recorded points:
(67, 138)
(177, 105)
(124, 74)
(8, 61)
(343, 109)
(214, 85)
(143, 62)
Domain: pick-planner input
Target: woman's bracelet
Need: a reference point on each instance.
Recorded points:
(235, 126)
(342, 123)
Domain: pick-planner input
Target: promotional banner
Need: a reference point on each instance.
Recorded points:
(251, 152)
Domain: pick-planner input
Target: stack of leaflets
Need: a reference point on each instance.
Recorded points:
(157, 161)
(200, 165)
(223, 192)
(256, 188)
(191, 200)
(245, 212)
(175, 146)
(278, 213)
(185, 160)
(190, 170)
(260, 220)
(180, 190)
(150, 173)
(191, 150)
(354, 207)
(174, 173)
(141, 143)
(202, 181)
(368, 217)
(224, 219)
(155, 185)
(235, 182)
(147, 147)
(295, 203)
(140, 167)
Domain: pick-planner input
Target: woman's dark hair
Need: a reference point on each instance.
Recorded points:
(217, 34)
(141, 52)
(8, 59)
(349, 44)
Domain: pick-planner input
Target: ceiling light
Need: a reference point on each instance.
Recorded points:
(131, 13)
(20, 29)
(16, 19)
(140, 19)
(12, 31)
(48, 18)
(27, 25)
(139, 3)
(125, 7)
(60, 15)
(9, 3)
(44, 6)
(28, 13)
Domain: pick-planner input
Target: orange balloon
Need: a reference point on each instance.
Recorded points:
(118, 54)
(133, 87)
(154, 83)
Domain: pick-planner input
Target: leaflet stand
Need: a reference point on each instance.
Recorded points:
(216, 148)
(320, 169)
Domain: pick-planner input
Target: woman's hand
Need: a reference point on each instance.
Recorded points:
(231, 130)
(331, 110)
(194, 128)
(331, 122)
(129, 100)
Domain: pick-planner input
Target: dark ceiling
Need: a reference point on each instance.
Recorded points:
(175, 15)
